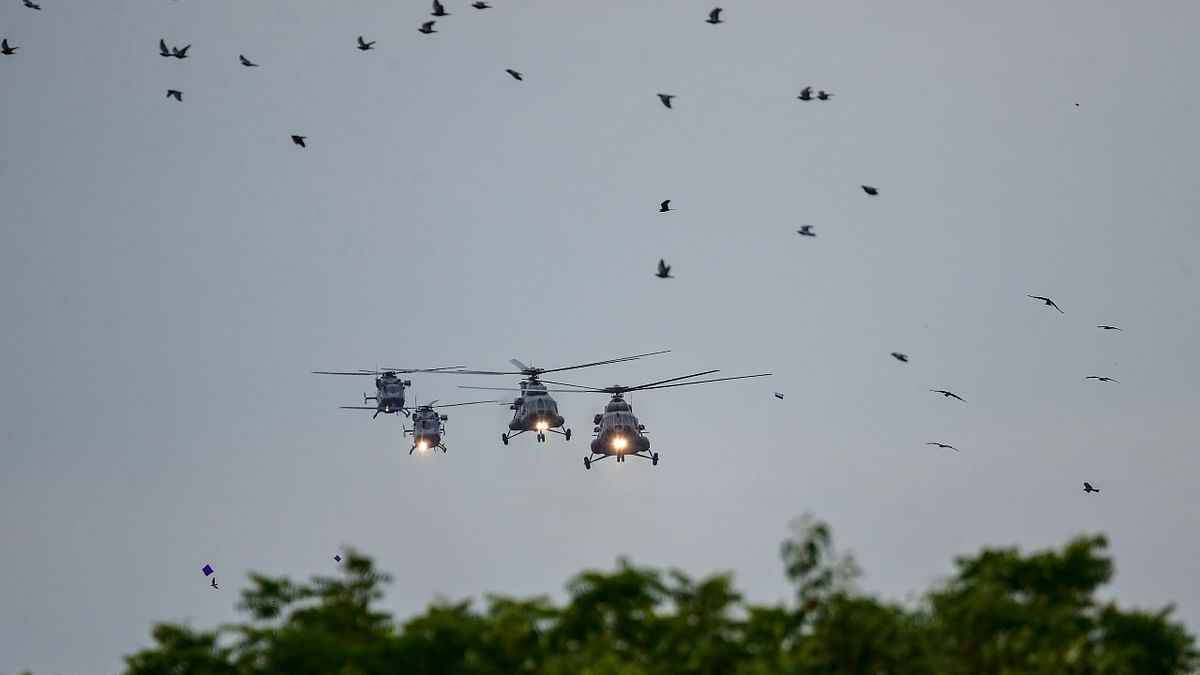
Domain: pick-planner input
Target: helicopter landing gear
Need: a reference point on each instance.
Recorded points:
(541, 438)
(504, 438)
(654, 459)
(587, 463)
(567, 434)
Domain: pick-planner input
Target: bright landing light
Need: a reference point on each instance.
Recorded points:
(619, 443)
(422, 446)
(541, 426)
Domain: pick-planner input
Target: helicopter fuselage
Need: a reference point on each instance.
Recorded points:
(427, 430)
(389, 394)
(618, 432)
(535, 411)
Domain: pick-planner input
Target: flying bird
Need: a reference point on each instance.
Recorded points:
(175, 93)
(364, 45)
(1046, 301)
(666, 99)
(5, 49)
(824, 95)
(180, 53)
(1087, 487)
(214, 583)
(869, 190)
(30, 5)
(903, 358)
(714, 17)
(162, 48)
(481, 5)
(247, 62)
(664, 206)
(948, 394)
(1100, 379)
(427, 28)
(779, 396)
(515, 74)
(943, 445)
(299, 140)
(806, 231)
(664, 270)
(1108, 327)
(438, 10)
(805, 94)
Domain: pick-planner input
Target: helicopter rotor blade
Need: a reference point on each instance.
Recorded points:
(684, 384)
(673, 379)
(568, 384)
(519, 365)
(334, 372)
(422, 370)
(451, 405)
(604, 362)
(358, 407)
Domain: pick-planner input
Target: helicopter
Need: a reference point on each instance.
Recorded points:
(618, 433)
(534, 410)
(389, 388)
(428, 429)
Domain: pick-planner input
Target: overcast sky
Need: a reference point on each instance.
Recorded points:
(171, 272)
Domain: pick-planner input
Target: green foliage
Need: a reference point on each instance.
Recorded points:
(1003, 613)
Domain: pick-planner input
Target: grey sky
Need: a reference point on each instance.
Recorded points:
(170, 272)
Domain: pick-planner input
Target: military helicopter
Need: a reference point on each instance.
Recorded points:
(618, 433)
(534, 410)
(389, 388)
(428, 429)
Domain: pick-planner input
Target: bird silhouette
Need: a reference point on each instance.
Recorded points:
(714, 17)
(180, 53)
(824, 95)
(481, 5)
(1087, 487)
(943, 445)
(30, 5)
(162, 48)
(900, 357)
(364, 45)
(948, 394)
(665, 206)
(666, 99)
(1100, 379)
(664, 270)
(214, 583)
(806, 231)
(178, 95)
(299, 140)
(1046, 301)
(246, 62)
(427, 28)
(805, 94)
(869, 190)
(515, 74)
(438, 10)
(1108, 327)
(6, 50)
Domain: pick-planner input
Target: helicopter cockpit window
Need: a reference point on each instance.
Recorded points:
(623, 419)
(392, 389)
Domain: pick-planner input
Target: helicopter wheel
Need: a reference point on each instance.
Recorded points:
(504, 438)
(654, 459)
(541, 438)
(567, 434)
(587, 463)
